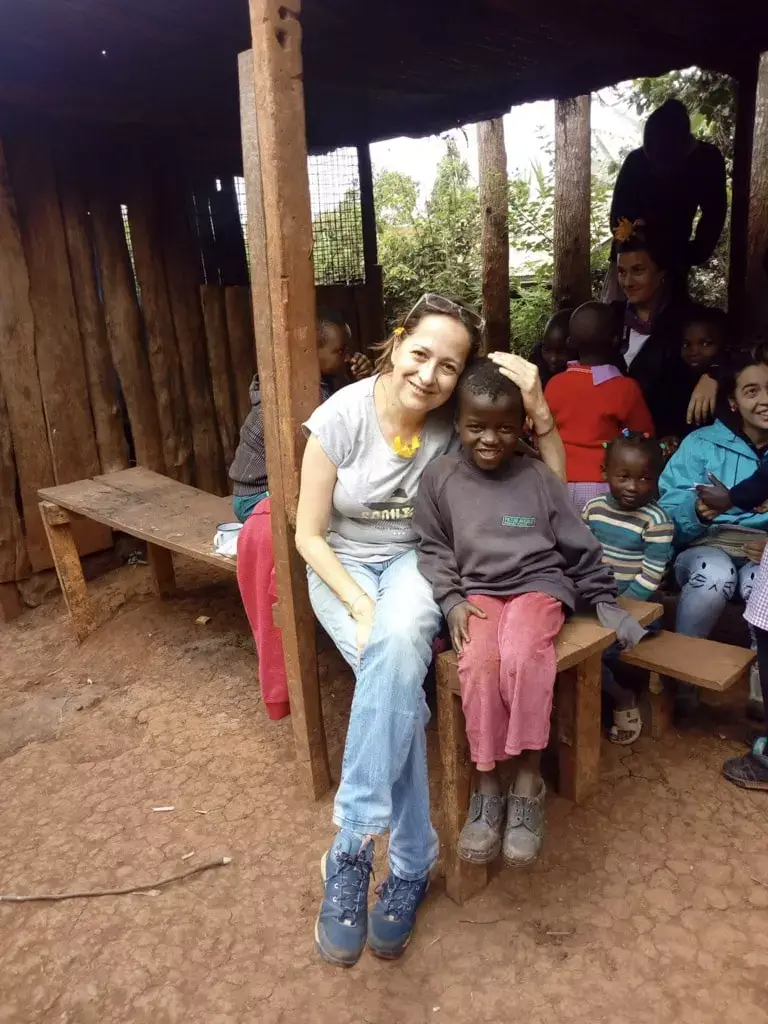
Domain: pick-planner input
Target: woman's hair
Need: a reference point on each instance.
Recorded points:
(644, 443)
(642, 240)
(455, 308)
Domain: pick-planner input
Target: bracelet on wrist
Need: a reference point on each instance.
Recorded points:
(544, 433)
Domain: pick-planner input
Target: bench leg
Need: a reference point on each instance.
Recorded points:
(662, 704)
(161, 566)
(579, 728)
(66, 560)
(462, 880)
(10, 602)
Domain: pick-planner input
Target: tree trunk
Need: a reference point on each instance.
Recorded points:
(494, 196)
(757, 234)
(573, 173)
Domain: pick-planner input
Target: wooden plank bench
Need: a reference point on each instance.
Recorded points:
(579, 649)
(168, 515)
(705, 663)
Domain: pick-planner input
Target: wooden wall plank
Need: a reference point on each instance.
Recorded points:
(220, 365)
(124, 329)
(242, 346)
(162, 349)
(183, 272)
(757, 231)
(102, 379)
(283, 289)
(14, 563)
(21, 383)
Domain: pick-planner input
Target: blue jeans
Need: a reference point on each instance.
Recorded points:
(709, 579)
(384, 782)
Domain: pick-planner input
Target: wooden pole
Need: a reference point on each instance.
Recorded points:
(757, 230)
(14, 564)
(367, 208)
(494, 199)
(573, 174)
(283, 290)
(220, 366)
(746, 84)
(242, 348)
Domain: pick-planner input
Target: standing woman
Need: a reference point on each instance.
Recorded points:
(368, 447)
(653, 324)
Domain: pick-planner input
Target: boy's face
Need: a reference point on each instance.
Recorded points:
(701, 346)
(332, 351)
(489, 430)
(554, 349)
(630, 476)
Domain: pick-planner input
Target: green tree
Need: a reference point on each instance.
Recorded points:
(395, 197)
(338, 242)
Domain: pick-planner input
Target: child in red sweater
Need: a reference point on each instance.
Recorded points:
(592, 402)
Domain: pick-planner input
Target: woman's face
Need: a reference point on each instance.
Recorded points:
(750, 398)
(639, 277)
(426, 363)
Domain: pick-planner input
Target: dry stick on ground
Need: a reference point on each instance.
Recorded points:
(46, 897)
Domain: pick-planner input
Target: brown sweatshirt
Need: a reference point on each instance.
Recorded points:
(509, 532)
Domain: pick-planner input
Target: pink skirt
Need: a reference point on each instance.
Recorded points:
(507, 674)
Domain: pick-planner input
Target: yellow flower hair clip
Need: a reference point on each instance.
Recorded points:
(398, 332)
(624, 230)
(405, 450)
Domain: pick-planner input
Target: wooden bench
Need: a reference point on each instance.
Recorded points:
(169, 516)
(578, 703)
(705, 663)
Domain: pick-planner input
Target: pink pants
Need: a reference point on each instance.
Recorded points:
(507, 674)
(256, 579)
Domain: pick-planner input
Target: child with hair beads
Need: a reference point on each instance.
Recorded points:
(636, 535)
(508, 557)
(592, 401)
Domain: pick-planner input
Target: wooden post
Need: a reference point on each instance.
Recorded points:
(121, 312)
(367, 208)
(579, 729)
(757, 233)
(494, 200)
(14, 563)
(220, 366)
(283, 290)
(58, 528)
(573, 174)
(161, 567)
(102, 380)
(242, 348)
(746, 84)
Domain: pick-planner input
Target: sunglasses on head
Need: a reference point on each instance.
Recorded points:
(431, 302)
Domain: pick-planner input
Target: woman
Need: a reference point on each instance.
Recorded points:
(368, 446)
(719, 555)
(653, 333)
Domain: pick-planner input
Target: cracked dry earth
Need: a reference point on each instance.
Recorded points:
(649, 904)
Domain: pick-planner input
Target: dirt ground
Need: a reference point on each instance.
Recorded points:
(648, 905)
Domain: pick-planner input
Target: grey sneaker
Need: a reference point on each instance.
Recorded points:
(524, 834)
(480, 839)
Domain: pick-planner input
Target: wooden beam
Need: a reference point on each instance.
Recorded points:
(757, 234)
(220, 366)
(573, 175)
(494, 200)
(102, 379)
(367, 208)
(58, 528)
(124, 329)
(14, 563)
(283, 291)
(242, 347)
(745, 86)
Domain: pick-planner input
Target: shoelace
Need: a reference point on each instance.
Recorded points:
(398, 897)
(350, 881)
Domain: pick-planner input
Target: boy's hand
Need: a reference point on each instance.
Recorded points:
(714, 495)
(458, 623)
(360, 366)
(526, 376)
(701, 408)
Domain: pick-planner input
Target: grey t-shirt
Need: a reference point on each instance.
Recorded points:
(372, 513)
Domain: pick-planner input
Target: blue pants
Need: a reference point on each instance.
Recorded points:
(384, 782)
(709, 579)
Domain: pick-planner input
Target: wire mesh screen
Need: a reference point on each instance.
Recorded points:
(337, 230)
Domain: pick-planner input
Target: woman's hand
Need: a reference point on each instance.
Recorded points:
(701, 408)
(362, 610)
(458, 623)
(360, 366)
(526, 376)
(754, 549)
(714, 494)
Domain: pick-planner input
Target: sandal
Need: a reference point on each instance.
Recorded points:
(627, 726)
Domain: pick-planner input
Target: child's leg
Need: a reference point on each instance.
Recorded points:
(485, 714)
(627, 723)
(527, 633)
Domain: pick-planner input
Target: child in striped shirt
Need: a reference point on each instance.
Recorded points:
(636, 535)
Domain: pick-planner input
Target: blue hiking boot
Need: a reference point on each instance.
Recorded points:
(342, 923)
(392, 919)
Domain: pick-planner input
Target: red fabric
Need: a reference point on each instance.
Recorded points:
(256, 579)
(587, 415)
(507, 674)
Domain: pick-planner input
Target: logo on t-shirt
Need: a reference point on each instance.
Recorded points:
(521, 522)
(397, 507)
